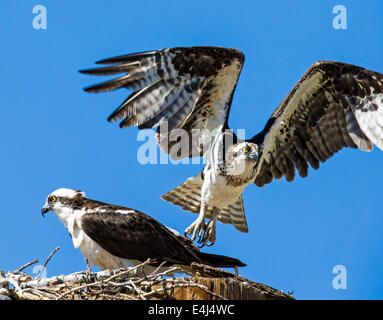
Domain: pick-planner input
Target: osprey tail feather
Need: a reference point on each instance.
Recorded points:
(188, 196)
(220, 261)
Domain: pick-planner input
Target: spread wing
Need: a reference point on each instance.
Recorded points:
(134, 235)
(334, 105)
(175, 88)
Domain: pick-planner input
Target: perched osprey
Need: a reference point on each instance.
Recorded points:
(112, 237)
(190, 90)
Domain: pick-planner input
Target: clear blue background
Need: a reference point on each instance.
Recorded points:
(52, 134)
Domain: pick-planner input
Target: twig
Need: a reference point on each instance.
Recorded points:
(46, 262)
(140, 293)
(158, 268)
(125, 283)
(16, 285)
(25, 266)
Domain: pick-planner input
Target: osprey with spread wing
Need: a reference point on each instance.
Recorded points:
(187, 93)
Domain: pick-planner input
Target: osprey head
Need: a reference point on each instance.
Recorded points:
(242, 157)
(62, 199)
(247, 151)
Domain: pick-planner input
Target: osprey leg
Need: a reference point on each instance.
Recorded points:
(198, 226)
(209, 234)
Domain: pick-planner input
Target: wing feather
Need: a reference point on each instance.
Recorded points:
(188, 88)
(135, 236)
(131, 234)
(334, 105)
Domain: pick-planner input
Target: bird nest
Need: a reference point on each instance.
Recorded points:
(199, 282)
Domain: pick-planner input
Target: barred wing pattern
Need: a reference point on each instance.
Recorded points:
(334, 105)
(188, 88)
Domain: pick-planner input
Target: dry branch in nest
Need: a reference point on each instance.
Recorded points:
(201, 282)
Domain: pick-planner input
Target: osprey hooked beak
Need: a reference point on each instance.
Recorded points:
(47, 207)
(253, 155)
(251, 151)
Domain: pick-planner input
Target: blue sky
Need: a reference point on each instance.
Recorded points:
(55, 135)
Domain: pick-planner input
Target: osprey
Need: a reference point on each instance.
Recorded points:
(187, 93)
(111, 236)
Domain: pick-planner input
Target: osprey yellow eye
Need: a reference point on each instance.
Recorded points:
(245, 150)
(53, 199)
